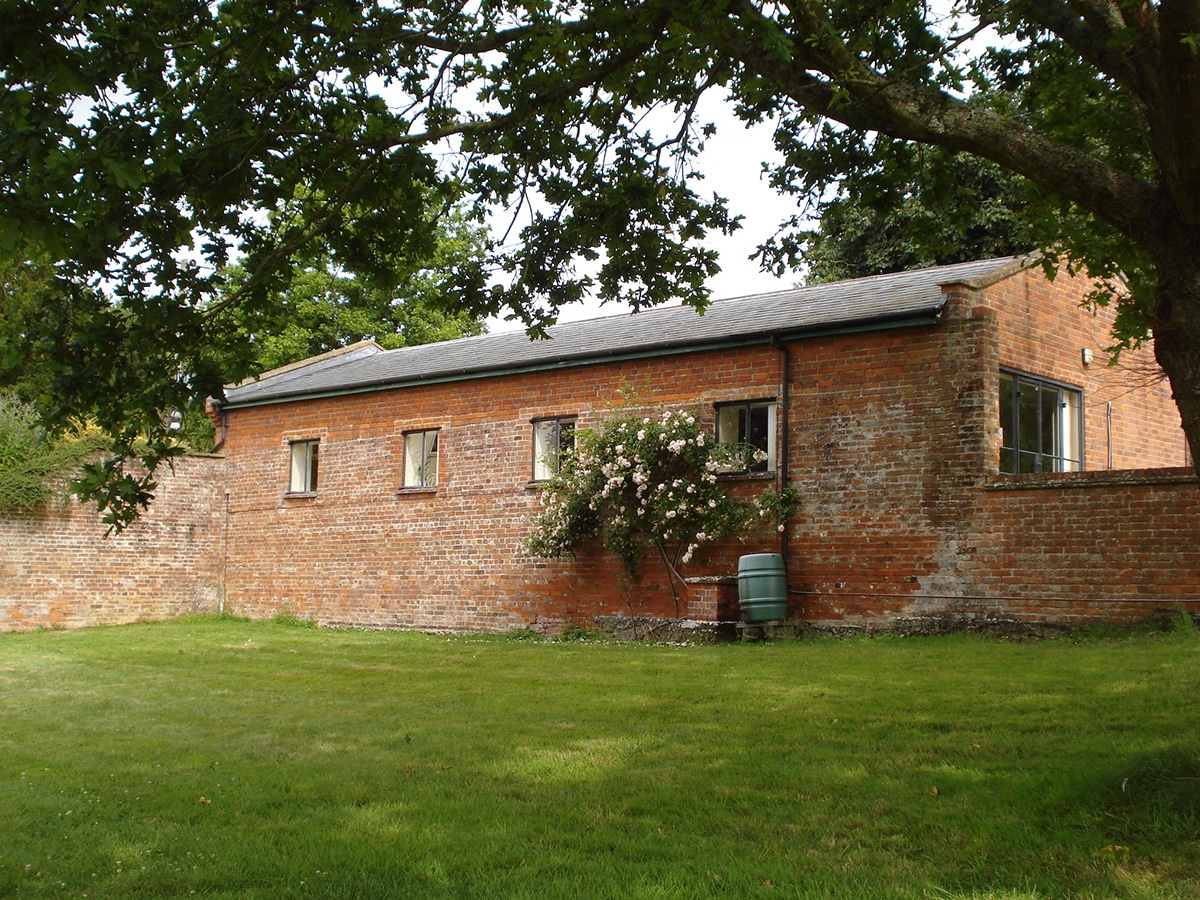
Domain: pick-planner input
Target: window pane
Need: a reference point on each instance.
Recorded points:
(551, 439)
(1007, 430)
(1072, 431)
(420, 459)
(759, 435)
(299, 467)
(1027, 417)
(545, 449)
(752, 424)
(412, 459)
(430, 468)
(1051, 425)
(728, 424)
(1042, 431)
(302, 476)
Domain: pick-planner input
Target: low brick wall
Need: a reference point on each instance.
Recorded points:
(58, 570)
(1056, 549)
(1114, 546)
(1121, 542)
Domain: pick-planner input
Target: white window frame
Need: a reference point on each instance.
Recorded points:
(551, 437)
(421, 458)
(739, 423)
(302, 466)
(1049, 437)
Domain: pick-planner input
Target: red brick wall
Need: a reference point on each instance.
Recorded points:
(894, 449)
(886, 448)
(1124, 544)
(894, 443)
(57, 570)
(961, 546)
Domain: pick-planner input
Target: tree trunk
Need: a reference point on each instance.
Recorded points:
(1177, 333)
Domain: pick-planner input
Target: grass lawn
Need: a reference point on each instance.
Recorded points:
(225, 758)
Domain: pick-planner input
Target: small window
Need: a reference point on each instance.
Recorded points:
(752, 426)
(303, 477)
(551, 439)
(420, 459)
(1041, 425)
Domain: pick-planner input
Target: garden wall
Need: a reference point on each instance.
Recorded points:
(1121, 543)
(1114, 546)
(58, 570)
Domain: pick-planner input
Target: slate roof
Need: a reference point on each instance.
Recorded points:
(877, 301)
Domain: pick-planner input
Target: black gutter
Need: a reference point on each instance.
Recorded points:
(785, 377)
(216, 405)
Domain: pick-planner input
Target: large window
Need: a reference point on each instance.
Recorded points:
(751, 425)
(303, 473)
(551, 439)
(420, 459)
(1041, 425)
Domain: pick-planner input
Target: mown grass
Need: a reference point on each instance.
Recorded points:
(238, 759)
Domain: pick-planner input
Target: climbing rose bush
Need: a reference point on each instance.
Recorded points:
(641, 484)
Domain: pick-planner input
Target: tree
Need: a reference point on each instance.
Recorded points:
(325, 307)
(26, 284)
(952, 208)
(144, 144)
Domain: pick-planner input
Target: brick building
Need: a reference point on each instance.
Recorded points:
(960, 445)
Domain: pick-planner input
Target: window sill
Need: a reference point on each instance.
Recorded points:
(300, 495)
(417, 490)
(746, 476)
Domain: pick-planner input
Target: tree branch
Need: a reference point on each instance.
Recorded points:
(823, 76)
(1093, 29)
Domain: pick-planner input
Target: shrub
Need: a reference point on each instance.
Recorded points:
(29, 460)
(21, 436)
(643, 484)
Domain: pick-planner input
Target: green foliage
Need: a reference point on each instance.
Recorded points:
(641, 483)
(21, 435)
(776, 506)
(30, 460)
(27, 290)
(1184, 625)
(1157, 793)
(524, 634)
(324, 306)
(577, 634)
(291, 620)
(937, 208)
